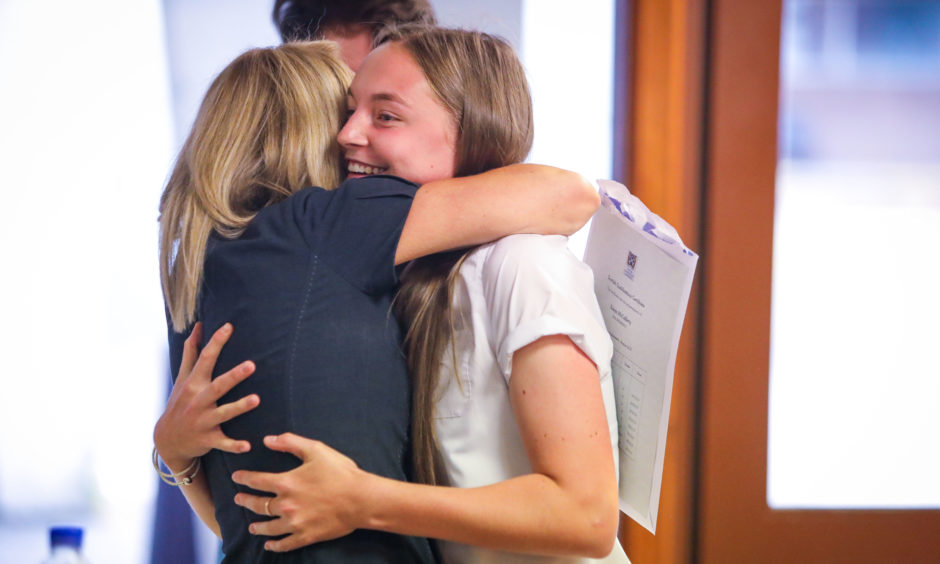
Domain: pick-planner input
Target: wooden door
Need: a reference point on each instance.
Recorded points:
(701, 149)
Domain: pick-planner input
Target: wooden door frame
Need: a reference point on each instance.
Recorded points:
(735, 522)
(660, 105)
(698, 144)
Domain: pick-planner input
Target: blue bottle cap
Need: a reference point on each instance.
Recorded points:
(65, 536)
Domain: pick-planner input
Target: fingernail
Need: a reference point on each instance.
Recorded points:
(238, 499)
(227, 327)
(252, 529)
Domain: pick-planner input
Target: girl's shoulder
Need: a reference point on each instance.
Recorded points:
(527, 266)
(529, 242)
(544, 254)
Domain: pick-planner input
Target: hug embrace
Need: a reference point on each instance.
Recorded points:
(385, 351)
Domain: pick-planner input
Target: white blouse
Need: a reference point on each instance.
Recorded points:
(509, 294)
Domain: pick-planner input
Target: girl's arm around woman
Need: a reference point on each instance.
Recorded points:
(566, 506)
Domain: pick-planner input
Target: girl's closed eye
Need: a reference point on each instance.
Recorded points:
(386, 117)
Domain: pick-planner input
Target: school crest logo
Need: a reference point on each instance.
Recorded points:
(631, 265)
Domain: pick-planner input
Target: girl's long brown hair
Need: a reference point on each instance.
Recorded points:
(266, 128)
(479, 79)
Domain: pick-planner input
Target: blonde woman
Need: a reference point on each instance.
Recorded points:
(514, 401)
(306, 275)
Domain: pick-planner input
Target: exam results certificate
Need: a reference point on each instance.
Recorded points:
(642, 277)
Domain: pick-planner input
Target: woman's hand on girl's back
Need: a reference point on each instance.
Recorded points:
(190, 424)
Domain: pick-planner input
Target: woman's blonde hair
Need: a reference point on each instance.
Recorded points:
(479, 79)
(266, 128)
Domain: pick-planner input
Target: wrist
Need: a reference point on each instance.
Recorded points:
(183, 477)
(368, 501)
(177, 464)
(174, 461)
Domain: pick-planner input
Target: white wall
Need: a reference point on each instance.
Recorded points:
(85, 145)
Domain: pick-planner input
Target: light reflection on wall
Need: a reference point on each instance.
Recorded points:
(854, 384)
(569, 59)
(86, 142)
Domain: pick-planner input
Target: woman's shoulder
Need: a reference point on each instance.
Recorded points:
(348, 201)
(353, 189)
(380, 185)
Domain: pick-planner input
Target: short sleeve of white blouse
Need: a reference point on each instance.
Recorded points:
(535, 287)
(509, 294)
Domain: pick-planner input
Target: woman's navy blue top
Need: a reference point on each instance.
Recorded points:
(308, 288)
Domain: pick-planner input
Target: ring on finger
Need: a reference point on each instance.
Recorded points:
(267, 507)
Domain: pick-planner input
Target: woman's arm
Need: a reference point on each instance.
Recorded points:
(568, 505)
(190, 424)
(523, 198)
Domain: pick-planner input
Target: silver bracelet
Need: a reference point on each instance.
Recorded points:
(182, 478)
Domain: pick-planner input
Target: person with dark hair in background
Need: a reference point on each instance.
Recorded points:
(353, 24)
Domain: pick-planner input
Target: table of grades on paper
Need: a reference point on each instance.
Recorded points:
(628, 412)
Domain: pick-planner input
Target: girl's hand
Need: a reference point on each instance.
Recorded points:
(321, 499)
(190, 424)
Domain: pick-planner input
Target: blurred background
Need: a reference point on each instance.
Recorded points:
(96, 98)
(853, 394)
